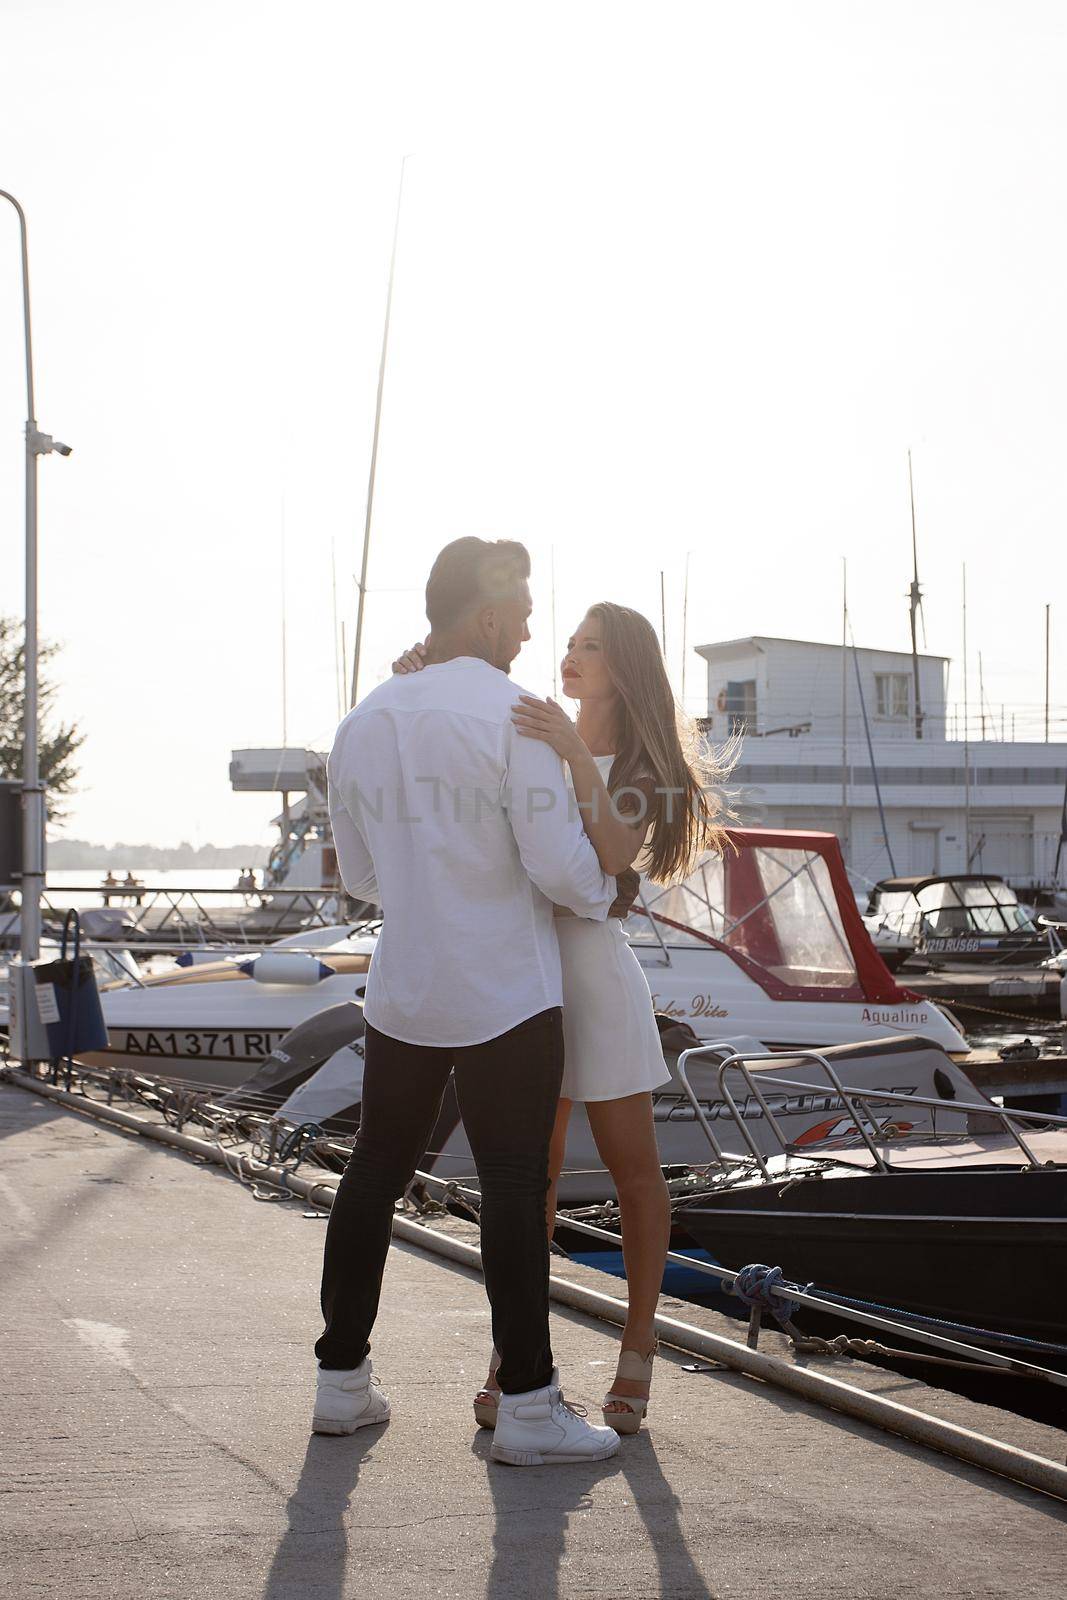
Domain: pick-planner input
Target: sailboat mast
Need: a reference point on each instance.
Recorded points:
(966, 739)
(1048, 626)
(285, 639)
(362, 585)
(555, 649)
(685, 623)
(338, 652)
(844, 711)
(915, 600)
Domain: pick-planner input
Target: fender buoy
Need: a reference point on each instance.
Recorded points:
(290, 966)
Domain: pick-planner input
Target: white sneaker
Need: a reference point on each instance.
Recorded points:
(345, 1401)
(541, 1429)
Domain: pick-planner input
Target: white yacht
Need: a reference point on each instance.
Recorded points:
(765, 943)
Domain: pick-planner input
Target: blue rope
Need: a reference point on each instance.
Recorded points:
(754, 1283)
(940, 1322)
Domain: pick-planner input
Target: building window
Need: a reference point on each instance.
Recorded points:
(740, 705)
(892, 693)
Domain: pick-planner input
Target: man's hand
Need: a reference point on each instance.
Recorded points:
(627, 883)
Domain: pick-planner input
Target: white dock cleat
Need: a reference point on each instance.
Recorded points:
(541, 1429)
(345, 1401)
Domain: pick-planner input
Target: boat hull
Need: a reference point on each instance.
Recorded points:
(985, 1247)
(717, 998)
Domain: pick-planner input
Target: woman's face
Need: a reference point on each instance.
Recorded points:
(583, 670)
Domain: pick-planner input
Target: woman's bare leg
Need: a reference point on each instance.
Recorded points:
(556, 1152)
(625, 1135)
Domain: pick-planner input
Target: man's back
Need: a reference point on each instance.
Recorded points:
(462, 831)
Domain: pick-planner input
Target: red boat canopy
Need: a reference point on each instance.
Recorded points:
(779, 904)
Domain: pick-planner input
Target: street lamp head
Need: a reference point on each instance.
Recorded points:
(42, 444)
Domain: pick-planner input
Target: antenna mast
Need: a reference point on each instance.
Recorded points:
(374, 447)
(915, 603)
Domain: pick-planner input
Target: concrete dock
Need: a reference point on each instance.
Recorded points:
(157, 1325)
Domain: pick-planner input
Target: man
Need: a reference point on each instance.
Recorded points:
(462, 832)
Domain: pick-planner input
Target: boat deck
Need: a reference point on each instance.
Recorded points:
(989, 991)
(157, 1329)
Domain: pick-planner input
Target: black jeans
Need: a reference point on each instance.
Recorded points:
(507, 1091)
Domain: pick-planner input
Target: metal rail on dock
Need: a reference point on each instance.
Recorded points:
(992, 1455)
(198, 1105)
(792, 1294)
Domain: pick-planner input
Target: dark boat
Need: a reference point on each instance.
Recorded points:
(985, 1246)
(964, 1222)
(965, 920)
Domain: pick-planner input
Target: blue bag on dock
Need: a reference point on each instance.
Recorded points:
(68, 1000)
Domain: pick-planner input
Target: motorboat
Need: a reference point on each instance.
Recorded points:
(943, 1207)
(768, 941)
(684, 1110)
(893, 945)
(764, 943)
(316, 1076)
(961, 921)
(210, 1023)
(978, 1242)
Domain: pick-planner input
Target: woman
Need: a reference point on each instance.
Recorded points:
(641, 801)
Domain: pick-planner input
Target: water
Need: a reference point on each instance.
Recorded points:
(212, 881)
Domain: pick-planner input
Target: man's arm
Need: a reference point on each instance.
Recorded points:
(353, 857)
(553, 845)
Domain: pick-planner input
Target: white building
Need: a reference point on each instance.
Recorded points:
(788, 696)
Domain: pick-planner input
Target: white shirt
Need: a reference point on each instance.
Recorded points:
(464, 833)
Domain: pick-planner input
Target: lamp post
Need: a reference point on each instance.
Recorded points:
(37, 444)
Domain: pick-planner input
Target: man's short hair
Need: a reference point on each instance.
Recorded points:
(471, 572)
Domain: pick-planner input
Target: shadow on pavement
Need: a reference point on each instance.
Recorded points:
(534, 1506)
(316, 1540)
(658, 1507)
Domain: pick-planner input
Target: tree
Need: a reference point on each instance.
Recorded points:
(59, 742)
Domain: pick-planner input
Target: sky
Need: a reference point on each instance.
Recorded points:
(677, 289)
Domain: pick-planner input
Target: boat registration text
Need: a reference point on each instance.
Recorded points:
(235, 1044)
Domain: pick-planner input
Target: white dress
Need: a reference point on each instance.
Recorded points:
(610, 1036)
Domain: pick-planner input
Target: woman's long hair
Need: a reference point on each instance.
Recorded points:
(656, 740)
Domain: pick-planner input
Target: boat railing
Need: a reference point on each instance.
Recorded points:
(850, 1097)
(665, 955)
(194, 915)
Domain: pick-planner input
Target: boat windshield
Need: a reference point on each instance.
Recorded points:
(987, 906)
(898, 911)
(115, 969)
(772, 906)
